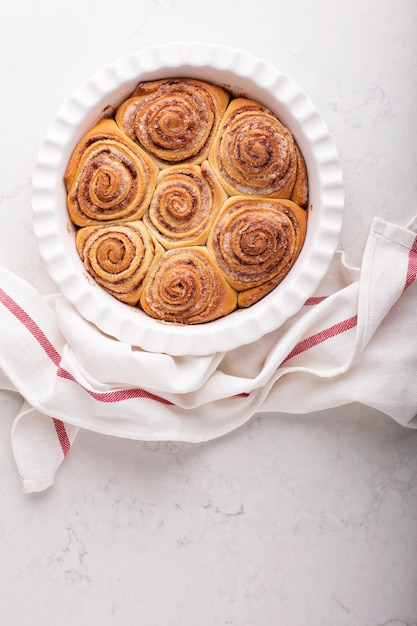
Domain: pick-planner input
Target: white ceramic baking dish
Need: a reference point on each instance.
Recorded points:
(243, 74)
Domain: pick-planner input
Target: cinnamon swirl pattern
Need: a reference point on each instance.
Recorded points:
(108, 177)
(254, 153)
(255, 242)
(189, 203)
(118, 256)
(187, 288)
(184, 206)
(175, 119)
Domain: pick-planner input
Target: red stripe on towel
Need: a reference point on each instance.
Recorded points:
(323, 335)
(114, 396)
(52, 353)
(62, 436)
(31, 326)
(39, 335)
(412, 265)
(314, 300)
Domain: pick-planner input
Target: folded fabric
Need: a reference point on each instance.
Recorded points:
(354, 341)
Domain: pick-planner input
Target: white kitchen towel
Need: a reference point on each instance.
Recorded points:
(354, 341)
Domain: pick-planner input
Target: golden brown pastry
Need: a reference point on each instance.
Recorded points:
(188, 201)
(254, 153)
(173, 119)
(299, 193)
(186, 287)
(108, 177)
(185, 203)
(118, 256)
(255, 242)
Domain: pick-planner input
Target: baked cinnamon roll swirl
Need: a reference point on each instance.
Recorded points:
(185, 203)
(255, 242)
(118, 256)
(189, 201)
(108, 177)
(173, 119)
(186, 287)
(254, 153)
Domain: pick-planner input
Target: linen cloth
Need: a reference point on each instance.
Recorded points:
(354, 341)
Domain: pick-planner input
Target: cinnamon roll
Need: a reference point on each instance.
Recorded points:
(108, 177)
(255, 242)
(254, 153)
(118, 256)
(189, 202)
(185, 203)
(173, 119)
(186, 287)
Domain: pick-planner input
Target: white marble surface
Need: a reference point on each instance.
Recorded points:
(296, 521)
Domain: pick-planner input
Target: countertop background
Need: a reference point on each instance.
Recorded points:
(297, 521)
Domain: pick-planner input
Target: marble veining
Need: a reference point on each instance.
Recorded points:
(291, 520)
